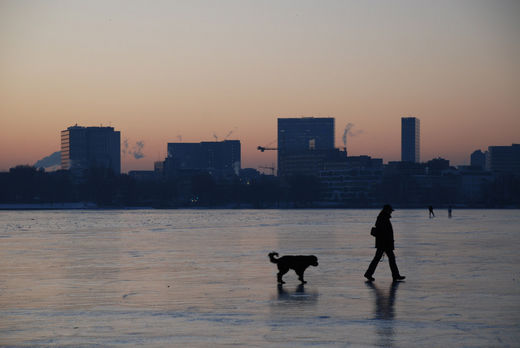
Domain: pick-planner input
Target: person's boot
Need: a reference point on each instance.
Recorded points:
(399, 278)
(369, 277)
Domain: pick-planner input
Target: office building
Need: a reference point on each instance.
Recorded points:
(222, 158)
(87, 147)
(503, 159)
(410, 139)
(300, 140)
(352, 181)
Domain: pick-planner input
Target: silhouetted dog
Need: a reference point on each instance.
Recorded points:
(298, 263)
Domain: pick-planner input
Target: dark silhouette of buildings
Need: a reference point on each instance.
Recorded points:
(504, 159)
(478, 159)
(303, 143)
(83, 148)
(410, 139)
(437, 165)
(311, 162)
(353, 180)
(218, 158)
(311, 173)
(143, 175)
(474, 185)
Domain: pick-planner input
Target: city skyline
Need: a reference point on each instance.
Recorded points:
(165, 72)
(304, 136)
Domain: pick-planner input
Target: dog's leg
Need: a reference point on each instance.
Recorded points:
(280, 274)
(300, 275)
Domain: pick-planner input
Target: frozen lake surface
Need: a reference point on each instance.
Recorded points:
(202, 278)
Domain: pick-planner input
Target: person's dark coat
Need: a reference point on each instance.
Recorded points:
(385, 232)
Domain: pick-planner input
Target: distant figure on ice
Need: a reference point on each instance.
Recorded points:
(449, 211)
(430, 209)
(384, 244)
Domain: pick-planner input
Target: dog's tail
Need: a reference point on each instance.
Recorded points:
(272, 255)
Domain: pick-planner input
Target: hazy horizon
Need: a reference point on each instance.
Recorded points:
(164, 71)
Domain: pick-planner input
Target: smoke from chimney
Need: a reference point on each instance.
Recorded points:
(348, 131)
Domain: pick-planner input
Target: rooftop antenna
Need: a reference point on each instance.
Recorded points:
(215, 136)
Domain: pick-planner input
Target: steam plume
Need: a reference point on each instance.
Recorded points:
(136, 151)
(348, 131)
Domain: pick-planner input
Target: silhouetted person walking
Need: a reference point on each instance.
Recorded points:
(449, 211)
(430, 210)
(384, 244)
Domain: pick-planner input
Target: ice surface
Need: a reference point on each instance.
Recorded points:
(202, 278)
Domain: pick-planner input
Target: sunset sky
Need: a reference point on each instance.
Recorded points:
(161, 71)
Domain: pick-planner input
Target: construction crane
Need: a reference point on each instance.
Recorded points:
(264, 148)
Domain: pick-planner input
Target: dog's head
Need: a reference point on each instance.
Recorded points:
(313, 260)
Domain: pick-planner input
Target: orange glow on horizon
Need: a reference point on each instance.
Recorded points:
(190, 71)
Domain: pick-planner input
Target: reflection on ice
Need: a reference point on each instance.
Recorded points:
(299, 295)
(384, 312)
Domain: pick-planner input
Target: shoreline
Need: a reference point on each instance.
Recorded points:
(93, 206)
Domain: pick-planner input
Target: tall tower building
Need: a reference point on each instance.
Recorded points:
(410, 139)
(303, 136)
(86, 147)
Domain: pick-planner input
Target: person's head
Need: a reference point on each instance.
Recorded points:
(387, 208)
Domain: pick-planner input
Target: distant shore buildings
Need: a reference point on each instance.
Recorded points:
(85, 147)
(503, 159)
(306, 148)
(303, 143)
(478, 159)
(218, 158)
(311, 172)
(410, 139)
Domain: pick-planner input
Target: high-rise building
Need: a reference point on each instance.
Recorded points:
(86, 147)
(304, 137)
(503, 159)
(410, 139)
(219, 158)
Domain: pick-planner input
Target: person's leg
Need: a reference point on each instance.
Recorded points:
(372, 267)
(393, 264)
